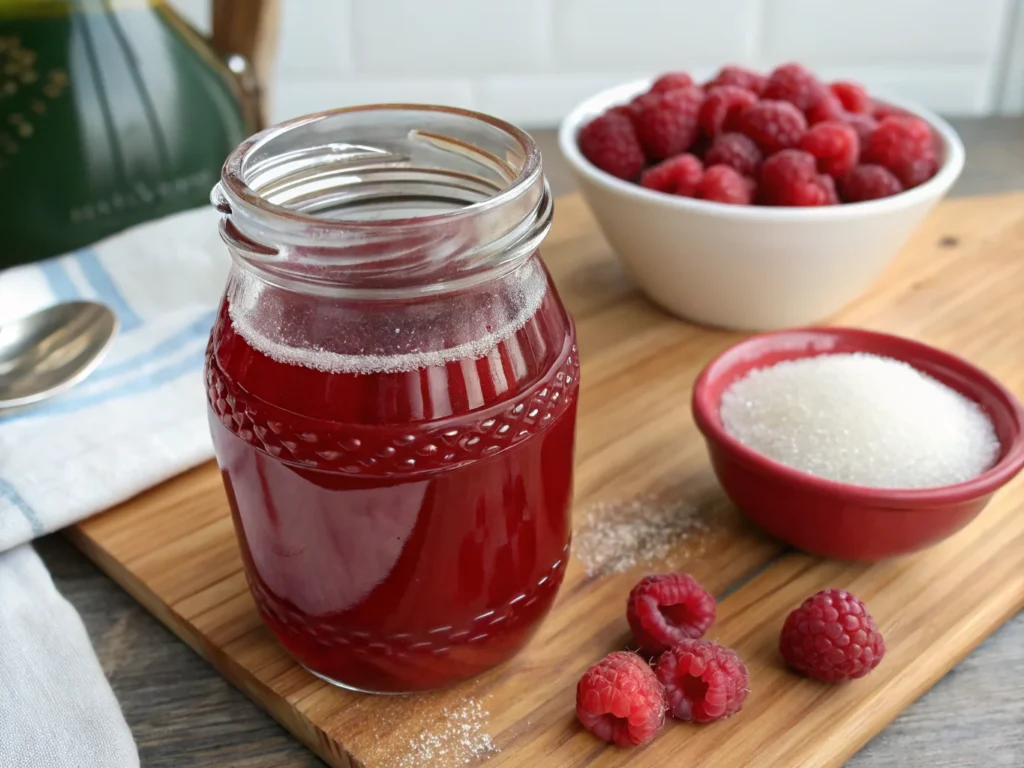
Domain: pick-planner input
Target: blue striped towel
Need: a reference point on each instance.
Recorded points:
(140, 418)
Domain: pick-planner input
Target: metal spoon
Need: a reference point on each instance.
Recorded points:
(49, 351)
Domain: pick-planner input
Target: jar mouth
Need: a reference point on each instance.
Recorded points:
(258, 182)
(384, 198)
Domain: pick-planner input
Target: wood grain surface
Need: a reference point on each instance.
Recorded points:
(957, 286)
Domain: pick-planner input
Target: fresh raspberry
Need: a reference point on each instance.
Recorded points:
(852, 96)
(834, 145)
(620, 700)
(667, 124)
(629, 111)
(724, 184)
(773, 125)
(864, 125)
(790, 177)
(670, 81)
(700, 147)
(678, 175)
(664, 609)
(868, 182)
(633, 109)
(793, 83)
(828, 186)
(703, 681)
(744, 78)
(826, 107)
(722, 106)
(737, 151)
(831, 637)
(610, 143)
(904, 145)
(882, 110)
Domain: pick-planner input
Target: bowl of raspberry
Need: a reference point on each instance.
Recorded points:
(757, 201)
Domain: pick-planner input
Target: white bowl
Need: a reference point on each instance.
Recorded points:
(751, 267)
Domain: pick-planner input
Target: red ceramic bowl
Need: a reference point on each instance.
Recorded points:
(850, 521)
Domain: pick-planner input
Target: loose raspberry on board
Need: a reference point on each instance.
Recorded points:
(620, 700)
(665, 608)
(703, 681)
(831, 637)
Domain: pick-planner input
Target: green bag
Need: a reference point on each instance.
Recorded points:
(111, 113)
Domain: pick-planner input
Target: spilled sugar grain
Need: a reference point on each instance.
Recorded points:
(458, 737)
(616, 536)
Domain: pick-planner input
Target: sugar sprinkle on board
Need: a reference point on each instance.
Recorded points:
(460, 737)
(615, 536)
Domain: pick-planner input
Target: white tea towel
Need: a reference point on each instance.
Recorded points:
(139, 419)
(56, 708)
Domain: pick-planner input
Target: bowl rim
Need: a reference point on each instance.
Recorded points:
(706, 416)
(594, 105)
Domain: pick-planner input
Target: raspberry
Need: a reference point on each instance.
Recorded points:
(852, 96)
(773, 125)
(723, 184)
(883, 110)
(737, 151)
(826, 107)
(722, 106)
(864, 125)
(868, 182)
(828, 186)
(664, 609)
(795, 84)
(700, 147)
(790, 177)
(904, 145)
(629, 111)
(678, 175)
(670, 81)
(610, 143)
(703, 681)
(831, 637)
(834, 145)
(744, 78)
(667, 124)
(620, 700)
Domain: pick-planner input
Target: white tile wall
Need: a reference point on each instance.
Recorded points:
(464, 38)
(915, 33)
(530, 60)
(602, 35)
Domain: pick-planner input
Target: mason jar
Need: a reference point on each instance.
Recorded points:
(392, 383)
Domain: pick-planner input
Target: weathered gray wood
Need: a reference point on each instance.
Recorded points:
(184, 714)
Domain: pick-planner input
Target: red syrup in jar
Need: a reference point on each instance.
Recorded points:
(401, 530)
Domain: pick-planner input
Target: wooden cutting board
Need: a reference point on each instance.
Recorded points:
(957, 285)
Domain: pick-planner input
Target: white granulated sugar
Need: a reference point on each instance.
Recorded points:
(861, 419)
(460, 739)
(614, 537)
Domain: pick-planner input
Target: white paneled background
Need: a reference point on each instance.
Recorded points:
(529, 61)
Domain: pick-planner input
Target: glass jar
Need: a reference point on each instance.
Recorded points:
(392, 383)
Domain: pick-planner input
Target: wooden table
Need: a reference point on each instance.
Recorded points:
(183, 713)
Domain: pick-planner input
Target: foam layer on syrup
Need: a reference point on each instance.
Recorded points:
(435, 332)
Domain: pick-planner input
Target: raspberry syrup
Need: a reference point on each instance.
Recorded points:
(401, 530)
